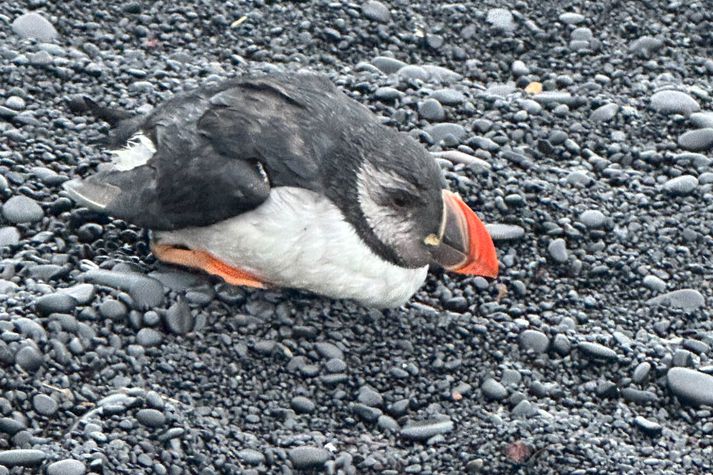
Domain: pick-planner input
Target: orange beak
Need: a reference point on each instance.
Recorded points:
(463, 245)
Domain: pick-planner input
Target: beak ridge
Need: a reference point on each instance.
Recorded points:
(465, 245)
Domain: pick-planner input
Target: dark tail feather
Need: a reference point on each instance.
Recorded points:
(85, 104)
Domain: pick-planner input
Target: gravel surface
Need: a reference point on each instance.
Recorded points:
(582, 132)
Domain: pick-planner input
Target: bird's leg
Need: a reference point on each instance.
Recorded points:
(206, 262)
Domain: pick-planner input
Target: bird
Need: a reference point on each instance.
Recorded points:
(281, 180)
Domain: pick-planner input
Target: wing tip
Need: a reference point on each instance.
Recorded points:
(96, 196)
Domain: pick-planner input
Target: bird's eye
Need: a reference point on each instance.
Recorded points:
(399, 199)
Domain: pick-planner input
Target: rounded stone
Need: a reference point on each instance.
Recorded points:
(21, 209)
(699, 140)
(148, 337)
(534, 340)
(558, 250)
(44, 404)
(22, 457)
(34, 25)
(674, 102)
(67, 467)
(691, 386)
(29, 359)
(681, 185)
(308, 458)
(377, 11)
(55, 303)
(592, 218)
(151, 418)
(492, 389)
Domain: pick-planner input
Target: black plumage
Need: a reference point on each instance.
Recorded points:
(220, 148)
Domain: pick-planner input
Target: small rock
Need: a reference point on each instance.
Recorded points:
(439, 132)
(592, 218)
(699, 140)
(691, 386)
(431, 110)
(22, 457)
(505, 232)
(501, 19)
(9, 236)
(519, 68)
(685, 299)
(145, 291)
(377, 11)
(148, 337)
(328, 350)
(251, 456)
(648, 427)
(681, 185)
(302, 404)
(55, 303)
(654, 283)
(604, 113)
(21, 209)
(558, 250)
(492, 389)
(641, 372)
(534, 340)
(179, 318)
(571, 18)
(424, 430)
(674, 102)
(387, 94)
(702, 120)
(151, 418)
(645, 45)
(34, 25)
(449, 97)
(29, 359)
(597, 351)
(66, 467)
(388, 65)
(44, 404)
(308, 458)
(370, 397)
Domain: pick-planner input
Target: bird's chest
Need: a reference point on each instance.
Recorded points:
(300, 239)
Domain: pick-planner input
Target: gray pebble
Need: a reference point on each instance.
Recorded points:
(148, 337)
(424, 430)
(597, 351)
(388, 65)
(648, 427)
(492, 389)
(9, 236)
(412, 73)
(501, 18)
(66, 467)
(604, 113)
(431, 110)
(581, 34)
(641, 372)
(388, 94)
(674, 102)
(439, 132)
(681, 185)
(691, 386)
(561, 344)
(519, 68)
(34, 25)
(702, 120)
(179, 318)
(592, 218)
(251, 456)
(151, 418)
(534, 340)
(654, 283)
(81, 293)
(505, 232)
(145, 291)
(55, 303)
(571, 18)
(645, 45)
(15, 102)
(44, 404)
(29, 359)
(21, 209)
(302, 404)
(558, 250)
(449, 97)
(387, 423)
(370, 397)
(685, 299)
(524, 408)
(699, 140)
(377, 11)
(328, 350)
(308, 457)
(22, 457)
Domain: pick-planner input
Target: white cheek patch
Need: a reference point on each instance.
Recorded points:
(389, 226)
(139, 150)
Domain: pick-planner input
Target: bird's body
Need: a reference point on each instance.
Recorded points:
(284, 181)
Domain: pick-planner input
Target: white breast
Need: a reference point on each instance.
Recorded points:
(300, 239)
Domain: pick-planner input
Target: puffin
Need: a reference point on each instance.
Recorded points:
(282, 180)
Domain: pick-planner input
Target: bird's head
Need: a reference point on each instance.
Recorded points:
(407, 209)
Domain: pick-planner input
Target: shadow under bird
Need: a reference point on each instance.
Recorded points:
(283, 180)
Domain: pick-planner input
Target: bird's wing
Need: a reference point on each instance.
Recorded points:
(208, 155)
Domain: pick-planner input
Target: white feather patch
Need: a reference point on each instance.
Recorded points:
(139, 150)
(300, 239)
